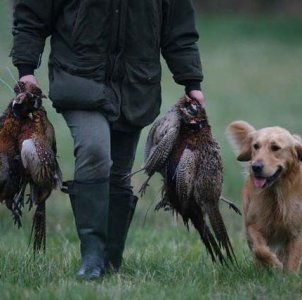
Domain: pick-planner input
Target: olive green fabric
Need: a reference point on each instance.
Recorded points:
(116, 42)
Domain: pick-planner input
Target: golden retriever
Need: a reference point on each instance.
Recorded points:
(272, 193)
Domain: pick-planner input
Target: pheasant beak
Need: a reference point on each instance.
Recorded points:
(19, 99)
(25, 103)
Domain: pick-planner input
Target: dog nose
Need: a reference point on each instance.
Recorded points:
(257, 168)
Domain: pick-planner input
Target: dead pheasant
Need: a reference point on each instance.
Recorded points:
(37, 148)
(10, 164)
(12, 184)
(181, 147)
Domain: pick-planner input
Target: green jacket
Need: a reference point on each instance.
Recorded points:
(115, 43)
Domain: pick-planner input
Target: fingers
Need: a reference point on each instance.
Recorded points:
(198, 95)
(29, 78)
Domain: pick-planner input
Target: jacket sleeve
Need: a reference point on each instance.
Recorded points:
(32, 24)
(179, 41)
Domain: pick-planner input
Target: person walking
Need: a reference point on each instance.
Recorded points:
(104, 78)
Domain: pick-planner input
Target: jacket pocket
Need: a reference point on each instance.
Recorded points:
(72, 92)
(142, 72)
(95, 69)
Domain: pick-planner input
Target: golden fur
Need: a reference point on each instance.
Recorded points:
(272, 193)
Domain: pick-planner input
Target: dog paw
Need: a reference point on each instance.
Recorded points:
(276, 263)
(266, 258)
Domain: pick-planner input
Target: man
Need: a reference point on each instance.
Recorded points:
(104, 76)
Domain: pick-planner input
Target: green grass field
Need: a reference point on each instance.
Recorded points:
(253, 72)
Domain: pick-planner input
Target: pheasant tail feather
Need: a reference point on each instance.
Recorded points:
(39, 228)
(207, 237)
(220, 232)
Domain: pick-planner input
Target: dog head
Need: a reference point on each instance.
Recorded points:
(271, 151)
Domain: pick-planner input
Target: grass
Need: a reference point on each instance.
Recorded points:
(252, 69)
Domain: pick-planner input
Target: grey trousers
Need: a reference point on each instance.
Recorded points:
(101, 152)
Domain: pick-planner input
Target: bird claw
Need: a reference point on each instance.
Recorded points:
(231, 205)
(235, 208)
(17, 220)
(17, 214)
(16, 208)
(143, 188)
(29, 202)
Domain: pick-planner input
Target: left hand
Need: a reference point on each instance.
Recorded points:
(198, 95)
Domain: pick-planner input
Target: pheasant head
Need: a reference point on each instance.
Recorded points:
(191, 112)
(28, 99)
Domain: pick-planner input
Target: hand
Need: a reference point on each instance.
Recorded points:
(29, 78)
(198, 95)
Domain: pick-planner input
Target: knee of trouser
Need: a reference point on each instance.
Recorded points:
(93, 160)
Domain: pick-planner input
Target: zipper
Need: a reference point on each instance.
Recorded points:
(157, 19)
(118, 37)
(117, 10)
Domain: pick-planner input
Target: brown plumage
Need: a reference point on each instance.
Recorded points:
(181, 147)
(10, 163)
(38, 155)
(28, 157)
(37, 148)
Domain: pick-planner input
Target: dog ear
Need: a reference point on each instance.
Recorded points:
(299, 151)
(298, 146)
(239, 135)
(246, 152)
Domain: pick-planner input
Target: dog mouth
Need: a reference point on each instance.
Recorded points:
(264, 182)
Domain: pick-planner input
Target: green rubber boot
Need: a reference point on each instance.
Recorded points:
(90, 202)
(120, 216)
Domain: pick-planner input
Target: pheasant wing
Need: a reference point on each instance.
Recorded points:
(159, 129)
(160, 141)
(185, 176)
(49, 130)
(159, 145)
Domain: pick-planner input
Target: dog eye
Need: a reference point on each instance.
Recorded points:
(256, 146)
(275, 148)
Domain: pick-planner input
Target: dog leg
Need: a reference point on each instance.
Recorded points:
(294, 255)
(263, 255)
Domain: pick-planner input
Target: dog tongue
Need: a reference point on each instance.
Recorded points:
(259, 182)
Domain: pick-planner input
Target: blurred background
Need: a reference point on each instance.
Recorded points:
(288, 7)
(251, 53)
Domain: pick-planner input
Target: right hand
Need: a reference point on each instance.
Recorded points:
(29, 78)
